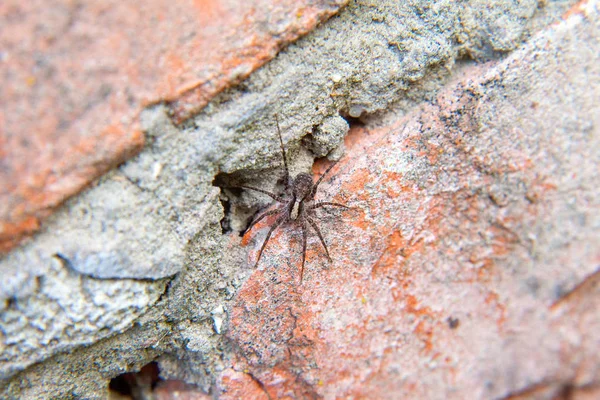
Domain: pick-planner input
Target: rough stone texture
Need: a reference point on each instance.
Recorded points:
(75, 76)
(477, 234)
(49, 321)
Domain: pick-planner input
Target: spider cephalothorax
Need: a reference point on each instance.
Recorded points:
(296, 205)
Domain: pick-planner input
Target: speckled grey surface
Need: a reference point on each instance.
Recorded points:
(94, 276)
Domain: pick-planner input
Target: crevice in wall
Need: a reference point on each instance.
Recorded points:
(135, 385)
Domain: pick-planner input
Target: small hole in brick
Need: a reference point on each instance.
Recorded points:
(136, 385)
(238, 208)
(352, 120)
(226, 220)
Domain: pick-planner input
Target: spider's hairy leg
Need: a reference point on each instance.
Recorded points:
(315, 187)
(327, 203)
(271, 195)
(263, 216)
(285, 166)
(279, 221)
(304, 237)
(316, 228)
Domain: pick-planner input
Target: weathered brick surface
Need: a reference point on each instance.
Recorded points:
(75, 76)
(468, 268)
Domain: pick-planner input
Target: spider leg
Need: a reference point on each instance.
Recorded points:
(304, 237)
(285, 166)
(327, 203)
(314, 189)
(316, 228)
(262, 216)
(275, 225)
(271, 195)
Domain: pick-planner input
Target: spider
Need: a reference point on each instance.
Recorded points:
(297, 205)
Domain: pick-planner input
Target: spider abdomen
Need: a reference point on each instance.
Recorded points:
(303, 185)
(302, 190)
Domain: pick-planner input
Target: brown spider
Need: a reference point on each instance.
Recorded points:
(297, 205)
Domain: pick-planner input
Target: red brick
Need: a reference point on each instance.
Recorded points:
(75, 76)
(425, 297)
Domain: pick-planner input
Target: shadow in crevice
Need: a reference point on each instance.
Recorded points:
(353, 121)
(147, 384)
(135, 385)
(241, 205)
